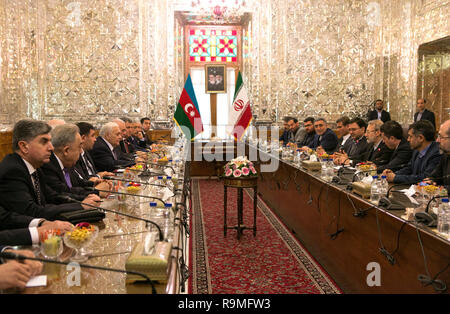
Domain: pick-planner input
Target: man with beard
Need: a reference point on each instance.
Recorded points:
(441, 175)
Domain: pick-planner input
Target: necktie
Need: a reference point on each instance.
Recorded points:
(126, 146)
(37, 186)
(88, 166)
(67, 177)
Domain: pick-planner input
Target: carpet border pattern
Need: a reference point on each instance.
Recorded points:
(201, 279)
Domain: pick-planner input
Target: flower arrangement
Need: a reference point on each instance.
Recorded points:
(239, 167)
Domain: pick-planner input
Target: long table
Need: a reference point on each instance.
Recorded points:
(345, 233)
(116, 238)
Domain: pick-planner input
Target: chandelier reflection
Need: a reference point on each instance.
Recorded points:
(220, 11)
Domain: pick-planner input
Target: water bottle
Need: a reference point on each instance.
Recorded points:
(384, 186)
(158, 189)
(375, 191)
(443, 222)
(330, 170)
(297, 158)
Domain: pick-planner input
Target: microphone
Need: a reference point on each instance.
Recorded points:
(427, 218)
(387, 203)
(18, 257)
(159, 165)
(90, 188)
(161, 236)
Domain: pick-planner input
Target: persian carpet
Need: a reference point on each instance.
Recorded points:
(273, 262)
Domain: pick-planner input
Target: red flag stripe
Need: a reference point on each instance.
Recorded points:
(242, 123)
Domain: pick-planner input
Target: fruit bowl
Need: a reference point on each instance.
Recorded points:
(80, 236)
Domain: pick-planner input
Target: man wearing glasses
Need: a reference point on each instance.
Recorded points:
(359, 147)
(441, 175)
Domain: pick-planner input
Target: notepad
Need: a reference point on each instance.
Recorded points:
(37, 281)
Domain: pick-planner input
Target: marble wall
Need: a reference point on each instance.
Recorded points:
(94, 59)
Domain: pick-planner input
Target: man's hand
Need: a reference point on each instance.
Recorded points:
(14, 275)
(57, 224)
(105, 185)
(34, 267)
(105, 173)
(390, 175)
(92, 199)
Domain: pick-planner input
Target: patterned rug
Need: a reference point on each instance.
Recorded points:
(273, 262)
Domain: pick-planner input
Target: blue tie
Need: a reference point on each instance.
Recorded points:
(67, 177)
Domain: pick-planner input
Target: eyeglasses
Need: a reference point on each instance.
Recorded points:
(442, 137)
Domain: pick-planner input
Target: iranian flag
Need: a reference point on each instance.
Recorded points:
(240, 113)
(187, 115)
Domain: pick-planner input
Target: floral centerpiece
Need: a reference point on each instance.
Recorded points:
(239, 167)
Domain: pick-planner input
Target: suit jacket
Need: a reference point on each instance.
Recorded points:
(358, 149)
(137, 144)
(56, 180)
(12, 220)
(307, 139)
(373, 115)
(19, 195)
(399, 158)
(284, 137)
(15, 237)
(298, 137)
(426, 115)
(82, 168)
(347, 145)
(379, 156)
(328, 141)
(441, 175)
(419, 168)
(104, 159)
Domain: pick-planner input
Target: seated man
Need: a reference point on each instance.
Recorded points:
(296, 134)
(59, 172)
(308, 125)
(392, 134)
(345, 141)
(145, 127)
(441, 175)
(104, 154)
(359, 146)
(284, 138)
(377, 152)
(136, 138)
(85, 165)
(22, 183)
(425, 158)
(325, 139)
(15, 274)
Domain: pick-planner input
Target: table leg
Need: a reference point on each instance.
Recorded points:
(240, 210)
(255, 204)
(224, 211)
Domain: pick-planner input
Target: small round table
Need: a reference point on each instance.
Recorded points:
(240, 183)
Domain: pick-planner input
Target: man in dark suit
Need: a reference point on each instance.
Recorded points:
(59, 172)
(22, 183)
(85, 165)
(378, 113)
(425, 158)
(284, 138)
(308, 125)
(423, 113)
(123, 150)
(441, 175)
(344, 143)
(145, 128)
(392, 134)
(359, 146)
(136, 139)
(104, 153)
(325, 139)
